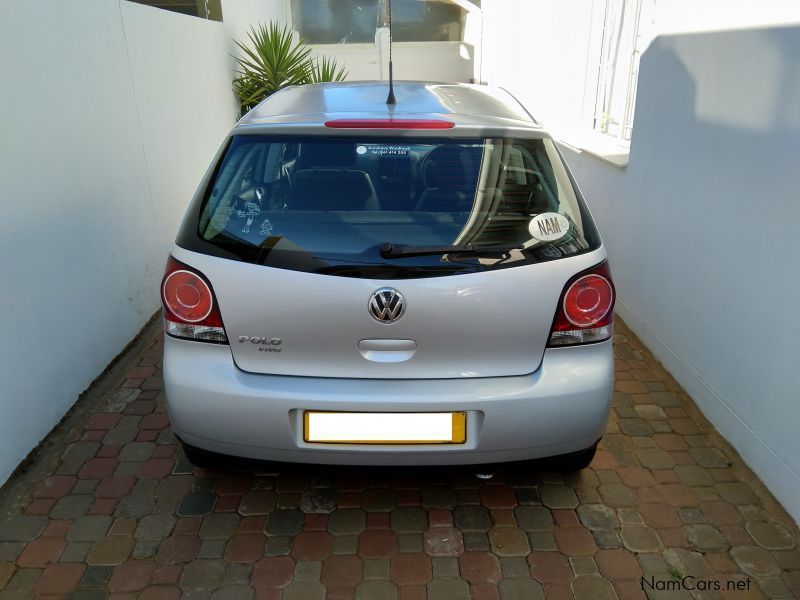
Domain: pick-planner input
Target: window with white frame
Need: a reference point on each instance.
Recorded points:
(355, 21)
(627, 28)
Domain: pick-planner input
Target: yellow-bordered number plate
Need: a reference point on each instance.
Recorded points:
(321, 427)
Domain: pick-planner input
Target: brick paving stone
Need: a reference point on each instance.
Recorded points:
(219, 525)
(154, 527)
(273, 572)
(618, 564)
(278, 545)
(640, 538)
(110, 550)
(592, 587)
(89, 528)
(443, 541)
(131, 576)
(575, 541)
(514, 566)
(520, 589)
(655, 458)
(177, 549)
(377, 568)
(409, 520)
(558, 496)
(318, 500)
(409, 542)
(342, 571)
(233, 592)
(245, 548)
(448, 589)
(96, 577)
(76, 552)
(755, 561)
(140, 502)
(705, 538)
(534, 518)
(635, 426)
(509, 541)
(284, 522)
(498, 496)
(597, 516)
(56, 486)
(59, 578)
(411, 569)
(312, 545)
(549, 567)
(636, 477)
(677, 494)
(480, 567)
(617, 495)
(542, 540)
(377, 543)
(710, 458)
(438, 496)
(41, 552)
(736, 493)
(376, 590)
(304, 590)
(770, 535)
(197, 504)
(475, 541)
(71, 507)
(202, 575)
(6, 572)
(136, 451)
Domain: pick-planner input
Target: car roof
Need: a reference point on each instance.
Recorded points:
(468, 106)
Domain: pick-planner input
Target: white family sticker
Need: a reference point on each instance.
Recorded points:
(549, 226)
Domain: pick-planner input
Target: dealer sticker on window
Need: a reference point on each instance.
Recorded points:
(548, 226)
(381, 150)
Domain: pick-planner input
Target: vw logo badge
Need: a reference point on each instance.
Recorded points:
(387, 305)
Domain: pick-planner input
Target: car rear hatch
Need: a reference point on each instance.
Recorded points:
(393, 258)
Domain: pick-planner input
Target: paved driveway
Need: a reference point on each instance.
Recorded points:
(110, 508)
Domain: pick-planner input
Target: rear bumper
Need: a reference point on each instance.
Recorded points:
(561, 408)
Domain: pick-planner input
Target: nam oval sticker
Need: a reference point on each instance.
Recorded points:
(548, 226)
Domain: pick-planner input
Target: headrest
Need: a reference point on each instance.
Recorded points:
(327, 155)
(448, 167)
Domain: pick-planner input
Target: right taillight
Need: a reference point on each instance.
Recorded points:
(190, 307)
(585, 311)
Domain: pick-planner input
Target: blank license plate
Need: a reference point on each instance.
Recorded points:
(385, 428)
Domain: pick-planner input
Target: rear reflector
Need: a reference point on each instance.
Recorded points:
(389, 124)
(190, 308)
(585, 311)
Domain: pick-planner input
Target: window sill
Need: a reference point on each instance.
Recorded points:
(603, 147)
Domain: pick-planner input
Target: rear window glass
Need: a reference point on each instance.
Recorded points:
(334, 205)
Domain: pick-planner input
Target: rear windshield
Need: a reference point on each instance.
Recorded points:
(392, 208)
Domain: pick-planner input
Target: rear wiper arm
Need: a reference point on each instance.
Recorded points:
(389, 250)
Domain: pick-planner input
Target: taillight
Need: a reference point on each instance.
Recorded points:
(585, 311)
(190, 307)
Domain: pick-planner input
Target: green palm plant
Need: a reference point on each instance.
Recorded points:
(325, 69)
(274, 59)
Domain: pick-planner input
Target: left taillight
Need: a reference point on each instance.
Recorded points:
(190, 308)
(585, 311)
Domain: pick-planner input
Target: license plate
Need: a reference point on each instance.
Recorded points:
(385, 428)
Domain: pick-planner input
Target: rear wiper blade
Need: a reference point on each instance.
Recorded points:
(389, 250)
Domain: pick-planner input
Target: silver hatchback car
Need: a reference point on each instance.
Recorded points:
(363, 283)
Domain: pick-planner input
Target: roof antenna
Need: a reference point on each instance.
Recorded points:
(390, 99)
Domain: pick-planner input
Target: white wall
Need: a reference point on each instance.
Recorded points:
(701, 229)
(111, 114)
